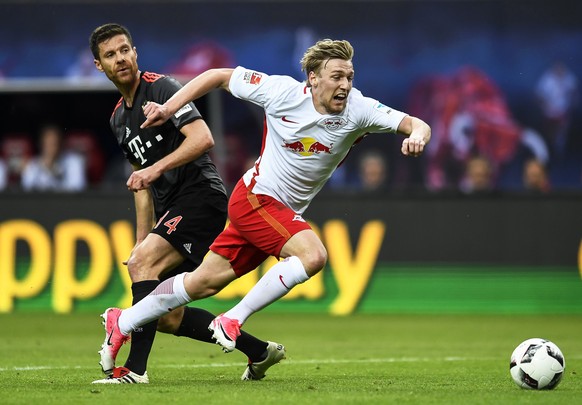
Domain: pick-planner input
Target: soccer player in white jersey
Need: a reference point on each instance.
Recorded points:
(310, 128)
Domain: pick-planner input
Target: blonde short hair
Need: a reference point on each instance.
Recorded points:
(325, 50)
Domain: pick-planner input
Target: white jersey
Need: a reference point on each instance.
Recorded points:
(301, 147)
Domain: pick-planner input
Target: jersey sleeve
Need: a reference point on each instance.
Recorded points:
(166, 87)
(260, 88)
(377, 117)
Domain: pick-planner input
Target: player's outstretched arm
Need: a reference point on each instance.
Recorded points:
(417, 134)
(202, 84)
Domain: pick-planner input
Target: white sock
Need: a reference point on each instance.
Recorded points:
(168, 295)
(274, 284)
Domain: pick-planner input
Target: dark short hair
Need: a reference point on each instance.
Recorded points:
(105, 32)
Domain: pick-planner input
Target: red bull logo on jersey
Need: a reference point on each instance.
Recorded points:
(308, 147)
(334, 123)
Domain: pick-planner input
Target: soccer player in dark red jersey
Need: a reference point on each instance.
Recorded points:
(181, 205)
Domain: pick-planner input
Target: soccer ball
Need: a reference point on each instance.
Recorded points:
(537, 364)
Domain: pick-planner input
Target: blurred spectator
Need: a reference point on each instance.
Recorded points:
(372, 172)
(250, 162)
(54, 169)
(86, 144)
(557, 94)
(469, 116)
(3, 175)
(199, 58)
(339, 178)
(236, 158)
(16, 150)
(478, 177)
(535, 177)
(84, 67)
(116, 173)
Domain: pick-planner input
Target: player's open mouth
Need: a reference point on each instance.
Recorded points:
(340, 99)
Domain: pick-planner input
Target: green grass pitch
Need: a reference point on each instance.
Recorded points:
(360, 359)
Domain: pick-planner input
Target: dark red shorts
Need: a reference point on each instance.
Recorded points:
(259, 227)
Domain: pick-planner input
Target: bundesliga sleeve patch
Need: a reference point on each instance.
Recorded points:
(183, 110)
(383, 108)
(252, 77)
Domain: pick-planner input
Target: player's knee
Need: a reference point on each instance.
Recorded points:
(138, 267)
(134, 264)
(314, 260)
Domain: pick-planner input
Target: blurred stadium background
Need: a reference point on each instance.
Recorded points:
(422, 241)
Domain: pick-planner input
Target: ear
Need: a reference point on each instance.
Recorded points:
(98, 65)
(312, 79)
(135, 51)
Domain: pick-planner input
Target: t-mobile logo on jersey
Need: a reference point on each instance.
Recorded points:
(136, 146)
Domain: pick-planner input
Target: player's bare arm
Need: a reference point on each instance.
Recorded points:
(201, 85)
(198, 140)
(144, 214)
(417, 134)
